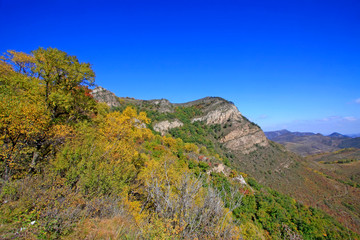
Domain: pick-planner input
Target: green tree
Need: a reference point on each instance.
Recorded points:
(65, 79)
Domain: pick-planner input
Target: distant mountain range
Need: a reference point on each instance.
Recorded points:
(354, 135)
(308, 143)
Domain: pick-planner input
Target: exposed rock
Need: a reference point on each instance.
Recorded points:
(240, 179)
(139, 124)
(220, 115)
(240, 134)
(244, 137)
(163, 105)
(102, 95)
(220, 168)
(164, 126)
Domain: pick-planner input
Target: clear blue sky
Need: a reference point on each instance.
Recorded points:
(285, 64)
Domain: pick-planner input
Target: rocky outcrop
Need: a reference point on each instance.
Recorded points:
(164, 126)
(220, 115)
(239, 133)
(240, 179)
(102, 95)
(244, 137)
(219, 168)
(162, 105)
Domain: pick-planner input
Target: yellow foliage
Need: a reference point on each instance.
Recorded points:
(243, 174)
(170, 142)
(191, 147)
(250, 231)
(103, 158)
(23, 119)
(21, 61)
(127, 125)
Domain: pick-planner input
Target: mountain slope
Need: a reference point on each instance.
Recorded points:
(73, 168)
(311, 143)
(217, 124)
(237, 132)
(350, 143)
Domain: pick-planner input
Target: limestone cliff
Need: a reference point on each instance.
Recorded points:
(164, 126)
(240, 134)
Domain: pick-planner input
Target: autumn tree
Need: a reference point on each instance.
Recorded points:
(64, 79)
(41, 95)
(103, 157)
(23, 116)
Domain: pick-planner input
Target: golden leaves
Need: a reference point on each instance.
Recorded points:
(21, 62)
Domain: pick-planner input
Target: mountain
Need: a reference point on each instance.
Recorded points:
(218, 125)
(350, 143)
(337, 135)
(82, 164)
(274, 134)
(103, 95)
(305, 143)
(237, 132)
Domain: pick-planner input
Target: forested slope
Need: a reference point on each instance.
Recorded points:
(73, 168)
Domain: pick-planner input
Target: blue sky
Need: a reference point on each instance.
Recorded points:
(285, 64)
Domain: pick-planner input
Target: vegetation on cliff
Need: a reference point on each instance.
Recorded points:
(73, 168)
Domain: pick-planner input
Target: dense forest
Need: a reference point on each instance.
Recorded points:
(73, 168)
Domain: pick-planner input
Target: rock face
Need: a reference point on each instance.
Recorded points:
(244, 137)
(240, 179)
(163, 105)
(239, 133)
(220, 115)
(164, 126)
(102, 95)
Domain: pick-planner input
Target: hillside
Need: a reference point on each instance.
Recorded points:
(350, 143)
(304, 143)
(217, 125)
(340, 175)
(120, 168)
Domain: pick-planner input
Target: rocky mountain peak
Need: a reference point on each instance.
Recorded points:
(239, 133)
(103, 95)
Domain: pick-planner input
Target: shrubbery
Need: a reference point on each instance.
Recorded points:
(72, 168)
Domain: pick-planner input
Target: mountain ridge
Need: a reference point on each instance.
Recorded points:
(240, 134)
(83, 168)
(307, 143)
(243, 145)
